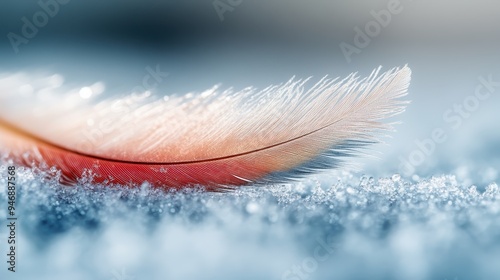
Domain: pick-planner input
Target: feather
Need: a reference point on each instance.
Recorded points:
(216, 138)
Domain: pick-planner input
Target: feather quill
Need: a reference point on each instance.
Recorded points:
(217, 139)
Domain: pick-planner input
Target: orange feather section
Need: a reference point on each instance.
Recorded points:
(222, 141)
(214, 174)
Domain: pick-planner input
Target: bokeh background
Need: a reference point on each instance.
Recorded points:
(448, 45)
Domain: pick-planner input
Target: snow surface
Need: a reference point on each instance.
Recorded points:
(339, 226)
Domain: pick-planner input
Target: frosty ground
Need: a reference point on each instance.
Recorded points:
(341, 226)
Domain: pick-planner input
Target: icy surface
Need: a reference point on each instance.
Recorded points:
(341, 227)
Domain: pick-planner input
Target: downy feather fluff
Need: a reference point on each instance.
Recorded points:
(216, 138)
